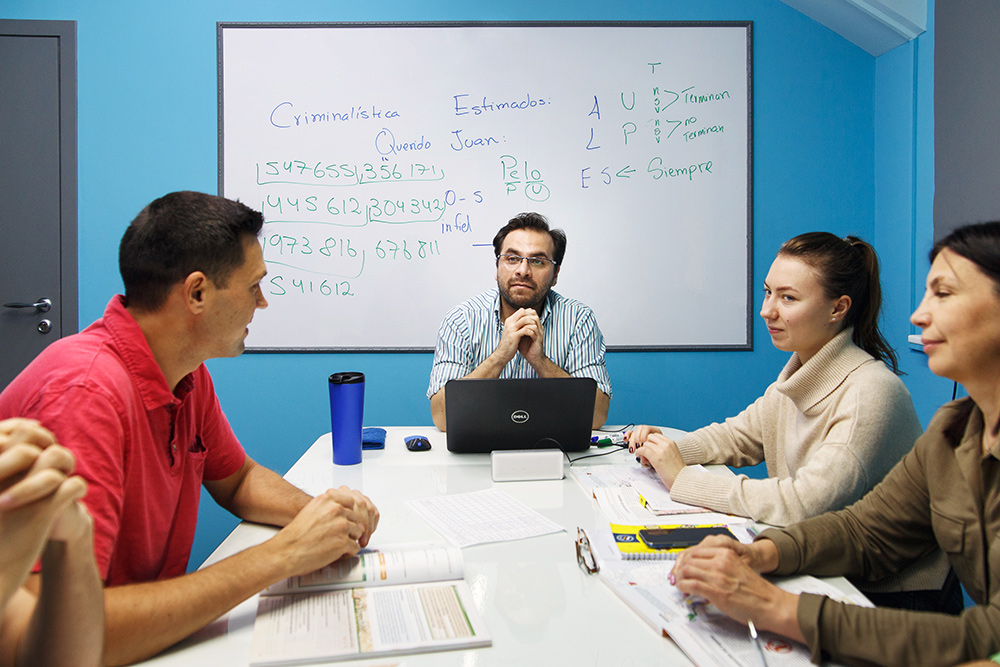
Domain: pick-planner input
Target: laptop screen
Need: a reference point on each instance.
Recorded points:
(539, 413)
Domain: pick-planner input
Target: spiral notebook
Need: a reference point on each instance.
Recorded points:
(634, 542)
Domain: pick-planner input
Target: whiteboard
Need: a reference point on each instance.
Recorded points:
(385, 157)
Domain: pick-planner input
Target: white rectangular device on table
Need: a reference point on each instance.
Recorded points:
(523, 465)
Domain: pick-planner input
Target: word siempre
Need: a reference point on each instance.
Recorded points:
(658, 171)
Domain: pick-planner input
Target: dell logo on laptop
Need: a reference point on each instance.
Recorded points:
(519, 416)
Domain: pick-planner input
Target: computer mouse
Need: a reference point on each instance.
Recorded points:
(417, 443)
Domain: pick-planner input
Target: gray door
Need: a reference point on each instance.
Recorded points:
(38, 188)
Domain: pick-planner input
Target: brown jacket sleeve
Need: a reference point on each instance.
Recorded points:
(930, 498)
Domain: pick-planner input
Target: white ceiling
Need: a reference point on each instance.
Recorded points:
(876, 26)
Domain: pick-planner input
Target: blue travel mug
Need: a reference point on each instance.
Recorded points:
(347, 400)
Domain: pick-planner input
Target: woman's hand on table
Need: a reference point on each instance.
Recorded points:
(659, 452)
(726, 573)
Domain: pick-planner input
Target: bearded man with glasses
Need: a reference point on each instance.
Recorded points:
(521, 328)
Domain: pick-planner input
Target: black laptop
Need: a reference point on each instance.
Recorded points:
(539, 413)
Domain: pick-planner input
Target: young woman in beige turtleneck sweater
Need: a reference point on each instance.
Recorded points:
(830, 427)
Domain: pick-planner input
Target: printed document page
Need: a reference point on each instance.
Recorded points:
(393, 564)
(709, 637)
(642, 485)
(366, 622)
(623, 505)
(705, 634)
(479, 517)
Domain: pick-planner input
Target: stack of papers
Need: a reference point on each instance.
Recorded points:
(479, 517)
(631, 494)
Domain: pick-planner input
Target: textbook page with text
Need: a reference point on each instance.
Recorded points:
(395, 564)
(707, 636)
(630, 489)
(366, 622)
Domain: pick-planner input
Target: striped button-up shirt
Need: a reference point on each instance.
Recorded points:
(471, 332)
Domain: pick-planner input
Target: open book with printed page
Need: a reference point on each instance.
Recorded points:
(392, 601)
(706, 635)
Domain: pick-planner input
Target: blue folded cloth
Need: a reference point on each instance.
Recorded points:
(372, 437)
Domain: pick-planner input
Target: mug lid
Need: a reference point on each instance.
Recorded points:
(349, 377)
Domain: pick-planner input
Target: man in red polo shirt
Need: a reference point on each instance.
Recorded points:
(131, 397)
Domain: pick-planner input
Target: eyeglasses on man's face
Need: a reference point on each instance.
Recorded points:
(513, 261)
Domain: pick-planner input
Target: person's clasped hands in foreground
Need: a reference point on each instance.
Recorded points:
(41, 518)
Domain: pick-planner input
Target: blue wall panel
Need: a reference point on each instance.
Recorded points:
(147, 126)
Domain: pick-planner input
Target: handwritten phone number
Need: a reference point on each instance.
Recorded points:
(384, 248)
(357, 175)
(277, 286)
(372, 209)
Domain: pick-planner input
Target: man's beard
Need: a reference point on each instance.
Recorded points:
(536, 300)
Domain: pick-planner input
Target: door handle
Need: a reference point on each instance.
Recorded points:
(42, 305)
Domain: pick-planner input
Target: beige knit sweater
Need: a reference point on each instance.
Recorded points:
(828, 430)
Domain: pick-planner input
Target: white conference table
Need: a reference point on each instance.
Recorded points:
(541, 608)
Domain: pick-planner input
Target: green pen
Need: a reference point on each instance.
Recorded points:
(610, 439)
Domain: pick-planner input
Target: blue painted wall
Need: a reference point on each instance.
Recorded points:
(840, 143)
(904, 167)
